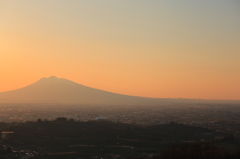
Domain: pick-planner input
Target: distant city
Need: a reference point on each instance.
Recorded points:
(219, 117)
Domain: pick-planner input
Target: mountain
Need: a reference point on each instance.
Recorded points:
(59, 90)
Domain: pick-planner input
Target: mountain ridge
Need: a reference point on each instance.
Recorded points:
(60, 90)
(65, 91)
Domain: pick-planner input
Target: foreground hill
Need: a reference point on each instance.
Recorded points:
(98, 137)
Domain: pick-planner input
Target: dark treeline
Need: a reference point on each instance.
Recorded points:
(200, 150)
(102, 137)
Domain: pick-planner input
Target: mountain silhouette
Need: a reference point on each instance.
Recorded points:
(59, 90)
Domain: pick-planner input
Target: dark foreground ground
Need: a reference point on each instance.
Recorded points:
(62, 138)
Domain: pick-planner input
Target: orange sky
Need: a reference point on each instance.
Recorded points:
(152, 49)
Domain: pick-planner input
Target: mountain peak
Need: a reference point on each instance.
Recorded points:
(49, 78)
(53, 77)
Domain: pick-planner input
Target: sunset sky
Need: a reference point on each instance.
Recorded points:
(151, 48)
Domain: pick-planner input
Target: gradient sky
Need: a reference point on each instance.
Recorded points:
(152, 48)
